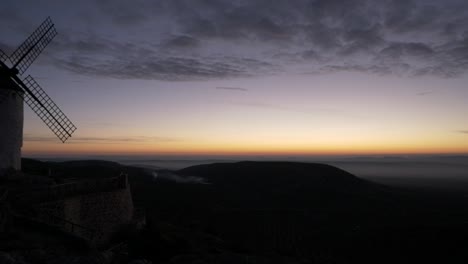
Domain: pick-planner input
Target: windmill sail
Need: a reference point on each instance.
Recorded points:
(28, 88)
(13, 91)
(3, 56)
(47, 110)
(28, 51)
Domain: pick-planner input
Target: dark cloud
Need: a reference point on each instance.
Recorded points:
(97, 56)
(463, 131)
(397, 50)
(424, 93)
(6, 49)
(373, 69)
(407, 16)
(126, 13)
(3, 56)
(11, 18)
(184, 40)
(160, 68)
(362, 40)
(239, 89)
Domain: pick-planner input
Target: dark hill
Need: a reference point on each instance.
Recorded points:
(79, 169)
(274, 175)
(287, 185)
(312, 209)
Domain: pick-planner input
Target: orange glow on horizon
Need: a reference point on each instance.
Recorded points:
(176, 149)
(344, 114)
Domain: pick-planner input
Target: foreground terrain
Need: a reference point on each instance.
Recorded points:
(280, 212)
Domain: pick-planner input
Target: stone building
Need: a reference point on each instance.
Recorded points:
(11, 132)
(94, 210)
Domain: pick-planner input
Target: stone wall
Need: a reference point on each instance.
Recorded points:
(71, 189)
(95, 216)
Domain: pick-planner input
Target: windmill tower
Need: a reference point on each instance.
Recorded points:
(14, 90)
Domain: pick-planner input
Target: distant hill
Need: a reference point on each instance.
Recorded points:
(286, 184)
(274, 174)
(72, 169)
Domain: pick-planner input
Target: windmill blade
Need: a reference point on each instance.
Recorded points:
(47, 110)
(3, 56)
(28, 51)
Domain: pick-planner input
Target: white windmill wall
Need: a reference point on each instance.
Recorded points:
(11, 130)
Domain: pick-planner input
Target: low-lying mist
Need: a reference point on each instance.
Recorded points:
(169, 176)
(445, 173)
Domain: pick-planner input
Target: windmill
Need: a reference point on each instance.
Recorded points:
(14, 90)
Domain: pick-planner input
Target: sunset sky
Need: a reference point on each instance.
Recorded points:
(263, 77)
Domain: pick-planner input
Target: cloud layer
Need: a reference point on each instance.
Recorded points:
(190, 40)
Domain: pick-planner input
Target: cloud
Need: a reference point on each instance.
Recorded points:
(6, 49)
(161, 68)
(182, 42)
(397, 50)
(278, 107)
(463, 131)
(124, 13)
(192, 40)
(424, 93)
(124, 60)
(239, 89)
(100, 140)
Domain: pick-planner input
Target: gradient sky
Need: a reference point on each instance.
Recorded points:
(250, 77)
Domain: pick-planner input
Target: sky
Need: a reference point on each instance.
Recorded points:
(249, 77)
